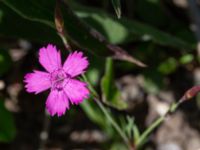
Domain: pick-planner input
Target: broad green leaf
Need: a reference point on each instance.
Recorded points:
(168, 66)
(110, 93)
(7, 126)
(45, 14)
(5, 61)
(116, 31)
(102, 22)
(78, 31)
(125, 30)
(117, 7)
(40, 32)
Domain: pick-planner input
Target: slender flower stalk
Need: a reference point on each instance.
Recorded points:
(156, 123)
(107, 114)
(59, 24)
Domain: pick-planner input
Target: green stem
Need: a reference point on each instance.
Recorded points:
(92, 90)
(112, 121)
(106, 113)
(174, 106)
(156, 123)
(149, 130)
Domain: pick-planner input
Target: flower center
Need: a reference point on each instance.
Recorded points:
(59, 78)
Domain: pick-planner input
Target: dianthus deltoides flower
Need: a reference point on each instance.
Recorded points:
(64, 88)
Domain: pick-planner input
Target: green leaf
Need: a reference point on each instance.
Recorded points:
(117, 7)
(24, 28)
(7, 126)
(131, 129)
(110, 93)
(103, 23)
(5, 61)
(157, 17)
(168, 66)
(136, 133)
(122, 30)
(93, 75)
(125, 30)
(94, 113)
(78, 31)
(118, 146)
(187, 58)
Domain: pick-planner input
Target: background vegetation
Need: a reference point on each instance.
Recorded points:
(143, 56)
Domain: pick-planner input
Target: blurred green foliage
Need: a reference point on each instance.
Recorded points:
(110, 93)
(163, 42)
(5, 61)
(168, 66)
(187, 58)
(121, 29)
(7, 126)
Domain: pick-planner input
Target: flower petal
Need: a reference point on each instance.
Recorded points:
(76, 91)
(37, 81)
(50, 58)
(75, 64)
(57, 103)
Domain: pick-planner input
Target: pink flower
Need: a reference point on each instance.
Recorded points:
(60, 79)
